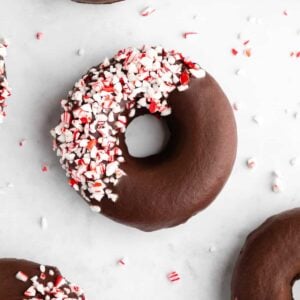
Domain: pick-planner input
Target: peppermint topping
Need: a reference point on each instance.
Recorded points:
(173, 276)
(5, 91)
(98, 109)
(55, 288)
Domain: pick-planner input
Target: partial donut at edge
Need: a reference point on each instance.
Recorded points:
(12, 288)
(269, 262)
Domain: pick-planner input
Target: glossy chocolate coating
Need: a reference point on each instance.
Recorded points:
(165, 190)
(269, 262)
(12, 288)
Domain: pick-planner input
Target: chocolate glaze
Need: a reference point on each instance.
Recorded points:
(97, 1)
(165, 190)
(269, 262)
(12, 288)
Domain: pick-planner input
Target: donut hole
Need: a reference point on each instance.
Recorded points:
(296, 290)
(146, 135)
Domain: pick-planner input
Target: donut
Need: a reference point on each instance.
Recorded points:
(158, 191)
(5, 90)
(26, 280)
(269, 262)
(97, 1)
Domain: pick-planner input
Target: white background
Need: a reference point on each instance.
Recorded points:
(86, 246)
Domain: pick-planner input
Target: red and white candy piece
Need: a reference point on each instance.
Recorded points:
(122, 261)
(147, 11)
(43, 288)
(277, 185)
(21, 276)
(251, 163)
(5, 90)
(173, 276)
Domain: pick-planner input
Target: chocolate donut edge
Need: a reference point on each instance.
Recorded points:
(268, 263)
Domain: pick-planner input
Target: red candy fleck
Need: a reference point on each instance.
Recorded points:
(60, 281)
(234, 52)
(147, 11)
(248, 52)
(45, 168)
(189, 33)
(39, 35)
(98, 109)
(184, 78)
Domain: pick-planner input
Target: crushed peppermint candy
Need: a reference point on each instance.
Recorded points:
(277, 183)
(98, 109)
(80, 52)
(22, 142)
(147, 11)
(257, 119)
(173, 276)
(5, 90)
(251, 163)
(293, 161)
(122, 261)
(45, 168)
(212, 249)
(44, 288)
(39, 35)
(189, 33)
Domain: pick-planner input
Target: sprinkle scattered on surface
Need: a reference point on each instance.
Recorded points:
(45, 168)
(234, 51)
(22, 142)
(80, 52)
(189, 34)
(173, 276)
(257, 120)
(212, 249)
(277, 183)
(147, 11)
(123, 261)
(240, 72)
(39, 35)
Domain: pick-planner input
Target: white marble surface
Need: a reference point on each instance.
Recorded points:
(86, 246)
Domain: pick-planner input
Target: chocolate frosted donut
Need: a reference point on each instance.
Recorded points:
(5, 91)
(97, 1)
(269, 262)
(25, 280)
(162, 190)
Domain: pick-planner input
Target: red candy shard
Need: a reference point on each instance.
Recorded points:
(234, 52)
(173, 276)
(184, 78)
(152, 107)
(91, 144)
